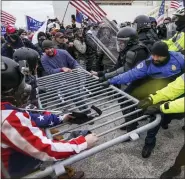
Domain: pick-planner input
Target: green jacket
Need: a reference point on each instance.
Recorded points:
(170, 92)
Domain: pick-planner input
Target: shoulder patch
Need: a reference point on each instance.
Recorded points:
(140, 65)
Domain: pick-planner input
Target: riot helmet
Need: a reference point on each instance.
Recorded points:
(27, 59)
(14, 88)
(141, 22)
(126, 36)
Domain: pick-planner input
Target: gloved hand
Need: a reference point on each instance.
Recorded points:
(102, 79)
(154, 109)
(105, 84)
(41, 89)
(145, 103)
(91, 139)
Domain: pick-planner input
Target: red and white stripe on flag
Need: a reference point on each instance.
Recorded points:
(160, 19)
(7, 18)
(174, 4)
(90, 9)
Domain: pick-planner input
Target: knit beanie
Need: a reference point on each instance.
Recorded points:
(47, 44)
(160, 49)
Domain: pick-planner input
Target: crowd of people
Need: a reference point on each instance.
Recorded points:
(150, 67)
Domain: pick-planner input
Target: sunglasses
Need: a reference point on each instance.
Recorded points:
(61, 37)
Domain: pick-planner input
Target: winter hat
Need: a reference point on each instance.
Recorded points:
(160, 48)
(40, 34)
(47, 44)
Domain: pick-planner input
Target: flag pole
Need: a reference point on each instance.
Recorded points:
(65, 12)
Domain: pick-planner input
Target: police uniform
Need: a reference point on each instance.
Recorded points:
(176, 43)
(173, 109)
(147, 70)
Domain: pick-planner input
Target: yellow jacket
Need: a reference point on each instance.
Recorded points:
(170, 92)
(176, 43)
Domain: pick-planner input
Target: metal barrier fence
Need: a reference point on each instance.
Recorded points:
(78, 91)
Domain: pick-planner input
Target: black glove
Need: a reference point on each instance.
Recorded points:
(154, 109)
(105, 84)
(102, 79)
(42, 89)
(145, 103)
(80, 118)
(101, 73)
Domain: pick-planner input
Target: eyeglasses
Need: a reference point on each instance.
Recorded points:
(61, 37)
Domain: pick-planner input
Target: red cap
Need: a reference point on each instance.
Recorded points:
(10, 30)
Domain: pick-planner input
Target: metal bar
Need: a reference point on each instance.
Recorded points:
(92, 102)
(75, 80)
(49, 170)
(64, 83)
(117, 127)
(58, 74)
(67, 90)
(68, 97)
(86, 100)
(125, 94)
(70, 92)
(65, 79)
(60, 125)
(79, 101)
(94, 120)
(122, 125)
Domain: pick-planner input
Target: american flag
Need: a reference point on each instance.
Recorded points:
(90, 9)
(176, 4)
(7, 18)
(161, 13)
(22, 132)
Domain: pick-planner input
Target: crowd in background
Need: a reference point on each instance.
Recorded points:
(150, 63)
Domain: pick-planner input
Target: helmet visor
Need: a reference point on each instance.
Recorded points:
(134, 25)
(122, 43)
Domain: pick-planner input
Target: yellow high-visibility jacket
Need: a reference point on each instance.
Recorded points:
(170, 92)
(176, 43)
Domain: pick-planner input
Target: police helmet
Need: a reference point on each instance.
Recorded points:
(142, 22)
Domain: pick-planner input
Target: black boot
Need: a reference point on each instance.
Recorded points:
(147, 150)
(170, 173)
(164, 126)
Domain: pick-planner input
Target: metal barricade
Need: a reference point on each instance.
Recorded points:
(77, 91)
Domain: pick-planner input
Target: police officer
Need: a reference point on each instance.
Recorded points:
(176, 43)
(28, 60)
(151, 74)
(131, 52)
(170, 110)
(146, 34)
